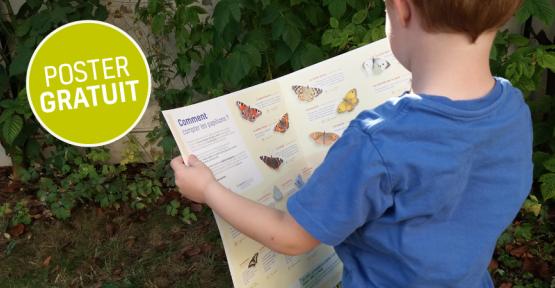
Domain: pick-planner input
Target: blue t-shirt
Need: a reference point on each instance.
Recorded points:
(416, 191)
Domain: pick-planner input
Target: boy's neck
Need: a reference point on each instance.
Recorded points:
(449, 65)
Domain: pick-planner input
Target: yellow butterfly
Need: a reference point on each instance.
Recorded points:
(306, 93)
(350, 101)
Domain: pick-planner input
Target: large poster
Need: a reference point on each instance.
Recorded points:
(263, 143)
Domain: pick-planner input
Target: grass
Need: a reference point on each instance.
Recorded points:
(103, 248)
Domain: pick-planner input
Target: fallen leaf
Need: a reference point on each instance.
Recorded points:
(196, 207)
(493, 265)
(17, 230)
(506, 285)
(46, 261)
(191, 251)
(519, 251)
(111, 229)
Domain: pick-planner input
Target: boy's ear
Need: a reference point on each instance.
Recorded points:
(403, 9)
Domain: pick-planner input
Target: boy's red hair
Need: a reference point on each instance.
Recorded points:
(471, 17)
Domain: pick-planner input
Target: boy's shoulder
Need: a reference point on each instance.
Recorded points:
(409, 110)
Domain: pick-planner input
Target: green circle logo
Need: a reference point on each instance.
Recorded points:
(88, 83)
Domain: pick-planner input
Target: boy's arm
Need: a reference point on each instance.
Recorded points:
(273, 228)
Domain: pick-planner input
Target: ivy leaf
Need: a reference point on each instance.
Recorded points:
(548, 186)
(224, 12)
(546, 59)
(549, 164)
(11, 128)
(542, 9)
(292, 36)
(336, 7)
(20, 62)
(252, 54)
(23, 28)
(334, 23)
(311, 54)
(282, 54)
(360, 16)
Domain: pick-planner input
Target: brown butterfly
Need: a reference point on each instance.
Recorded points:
(254, 260)
(324, 138)
(283, 124)
(272, 162)
(306, 93)
(247, 112)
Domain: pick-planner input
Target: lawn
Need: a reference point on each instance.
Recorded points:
(115, 248)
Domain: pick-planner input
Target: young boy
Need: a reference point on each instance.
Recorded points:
(417, 190)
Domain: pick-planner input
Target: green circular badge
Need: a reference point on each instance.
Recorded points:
(88, 83)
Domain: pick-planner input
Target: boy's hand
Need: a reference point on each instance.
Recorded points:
(193, 180)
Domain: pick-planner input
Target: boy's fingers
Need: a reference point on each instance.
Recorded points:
(193, 160)
(177, 163)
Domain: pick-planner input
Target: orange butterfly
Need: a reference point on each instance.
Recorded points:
(247, 112)
(283, 124)
(324, 138)
(272, 162)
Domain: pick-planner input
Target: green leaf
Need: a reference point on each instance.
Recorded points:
(23, 28)
(334, 23)
(311, 54)
(549, 164)
(224, 12)
(282, 54)
(292, 37)
(360, 16)
(547, 186)
(337, 7)
(546, 59)
(20, 62)
(153, 6)
(158, 23)
(542, 9)
(11, 128)
(252, 54)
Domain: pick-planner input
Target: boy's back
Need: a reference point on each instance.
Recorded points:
(417, 191)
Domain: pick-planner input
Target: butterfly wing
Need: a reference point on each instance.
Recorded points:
(272, 162)
(283, 124)
(324, 138)
(254, 260)
(351, 97)
(299, 182)
(277, 194)
(306, 93)
(247, 112)
(251, 114)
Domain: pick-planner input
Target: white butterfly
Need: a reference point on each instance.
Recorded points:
(375, 66)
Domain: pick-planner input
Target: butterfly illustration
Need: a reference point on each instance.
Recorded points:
(247, 112)
(375, 66)
(283, 124)
(299, 182)
(350, 101)
(272, 162)
(254, 260)
(277, 194)
(306, 93)
(324, 138)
